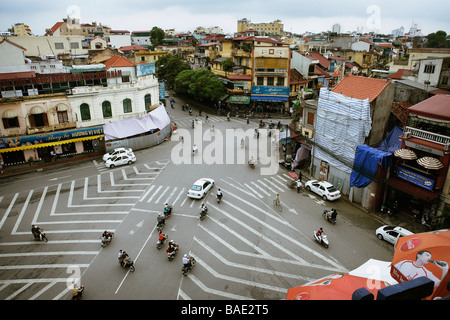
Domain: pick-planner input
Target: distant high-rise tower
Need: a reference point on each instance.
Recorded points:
(336, 28)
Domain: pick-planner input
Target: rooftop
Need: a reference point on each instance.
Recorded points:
(361, 87)
(117, 62)
(437, 107)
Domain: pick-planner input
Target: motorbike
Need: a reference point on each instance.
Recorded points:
(328, 217)
(171, 255)
(261, 124)
(168, 211)
(79, 295)
(108, 241)
(41, 237)
(193, 125)
(130, 264)
(160, 225)
(252, 164)
(324, 240)
(185, 271)
(203, 213)
(160, 243)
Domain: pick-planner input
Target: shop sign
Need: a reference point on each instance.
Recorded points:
(12, 142)
(239, 99)
(415, 178)
(269, 90)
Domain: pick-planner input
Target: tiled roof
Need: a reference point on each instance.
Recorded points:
(320, 72)
(322, 60)
(398, 75)
(240, 77)
(117, 62)
(132, 48)
(361, 87)
(436, 107)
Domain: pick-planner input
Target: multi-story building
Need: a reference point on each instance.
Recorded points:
(21, 30)
(270, 75)
(64, 113)
(421, 183)
(274, 28)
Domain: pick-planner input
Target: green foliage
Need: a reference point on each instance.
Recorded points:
(438, 40)
(168, 67)
(156, 36)
(227, 65)
(201, 85)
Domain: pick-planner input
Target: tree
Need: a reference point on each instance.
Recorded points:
(201, 85)
(227, 65)
(156, 36)
(168, 67)
(438, 40)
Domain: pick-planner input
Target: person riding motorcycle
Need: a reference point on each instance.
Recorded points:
(186, 262)
(36, 231)
(77, 292)
(124, 259)
(204, 209)
(161, 218)
(194, 148)
(333, 214)
(161, 237)
(319, 234)
(106, 236)
(167, 209)
(173, 247)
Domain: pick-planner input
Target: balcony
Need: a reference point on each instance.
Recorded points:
(426, 135)
(240, 53)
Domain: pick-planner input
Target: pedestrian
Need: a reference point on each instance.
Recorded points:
(2, 164)
(299, 185)
(300, 176)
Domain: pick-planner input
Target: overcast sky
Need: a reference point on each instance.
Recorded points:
(298, 16)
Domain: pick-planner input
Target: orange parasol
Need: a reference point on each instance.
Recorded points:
(338, 286)
(424, 254)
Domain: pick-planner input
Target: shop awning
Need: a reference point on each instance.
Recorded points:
(49, 144)
(239, 99)
(412, 189)
(269, 98)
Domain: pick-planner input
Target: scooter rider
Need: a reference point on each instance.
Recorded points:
(186, 261)
(333, 214)
(204, 209)
(161, 237)
(173, 247)
(106, 236)
(161, 219)
(36, 231)
(167, 209)
(319, 234)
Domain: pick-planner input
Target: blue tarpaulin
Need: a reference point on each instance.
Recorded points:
(366, 163)
(392, 142)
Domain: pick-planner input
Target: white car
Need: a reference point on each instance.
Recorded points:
(116, 152)
(391, 234)
(200, 188)
(121, 160)
(324, 189)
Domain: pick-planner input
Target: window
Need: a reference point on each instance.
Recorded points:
(59, 45)
(106, 108)
(74, 45)
(444, 80)
(62, 117)
(429, 68)
(310, 118)
(127, 106)
(270, 81)
(12, 122)
(85, 112)
(260, 81)
(280, 82)
(148, 102)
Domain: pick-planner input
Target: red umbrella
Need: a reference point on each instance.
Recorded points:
(424, 254)
(338, 286)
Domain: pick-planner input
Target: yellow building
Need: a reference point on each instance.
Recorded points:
(265, 28)
(21, 30)
(145, 56)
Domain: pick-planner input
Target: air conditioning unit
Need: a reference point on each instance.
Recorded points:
(407, 135)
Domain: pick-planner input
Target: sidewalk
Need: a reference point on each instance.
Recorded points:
(42, 165)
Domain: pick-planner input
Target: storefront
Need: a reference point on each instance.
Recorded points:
(46, 146)
(270, 99)
(239, 103)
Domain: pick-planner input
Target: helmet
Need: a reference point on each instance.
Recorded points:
(185, 255)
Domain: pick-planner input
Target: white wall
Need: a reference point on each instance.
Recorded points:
(45, 46)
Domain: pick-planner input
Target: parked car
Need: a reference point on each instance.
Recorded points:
(391, 234)
(200, 188)
(116, 152)
(122, 159)
(324, 189)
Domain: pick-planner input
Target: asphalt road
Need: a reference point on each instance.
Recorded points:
(245, 248)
